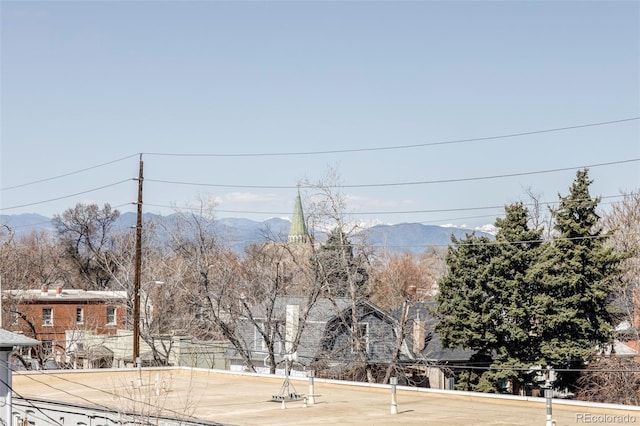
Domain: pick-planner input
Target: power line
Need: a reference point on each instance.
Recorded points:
(387, 184)
(369, 213)
(460, 242)
(68, 196)
(111, 394)
(446, 142)
(366, 213)
(336, 186)
(11, 389)
(386, 148)
(67, 174)
(541, 370)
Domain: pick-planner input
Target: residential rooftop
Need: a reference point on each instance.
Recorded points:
(245, 399)
(70, 295)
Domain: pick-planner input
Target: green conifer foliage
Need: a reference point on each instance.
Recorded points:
(574, 280)
(520, 303)
(462, 302)
(342, 270)
(485, 299)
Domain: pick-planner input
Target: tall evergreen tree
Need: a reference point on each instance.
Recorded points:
(574, 280)
(485, 300)
(341, 270)
(462, 306)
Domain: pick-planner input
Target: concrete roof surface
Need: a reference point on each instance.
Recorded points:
(241, 399)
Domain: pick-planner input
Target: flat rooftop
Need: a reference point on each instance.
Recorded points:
(245, 399)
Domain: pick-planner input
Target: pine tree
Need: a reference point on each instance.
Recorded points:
(517, 250)
(462, 306)
(485, 299)
(341, 270)
(519, 303)
(574, 280)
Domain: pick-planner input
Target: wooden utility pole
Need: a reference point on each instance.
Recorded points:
(136, 277)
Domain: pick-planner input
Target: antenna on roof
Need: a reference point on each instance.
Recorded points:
(287, 391)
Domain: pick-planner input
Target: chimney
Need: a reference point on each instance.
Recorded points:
(419, 335)
(59, 291)
(291, 326)
(412, 290)
(44, 290)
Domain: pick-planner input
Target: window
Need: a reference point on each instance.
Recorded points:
(111, 315)
(261, 344)
(47, 316)
(47, 347)
(79, 315)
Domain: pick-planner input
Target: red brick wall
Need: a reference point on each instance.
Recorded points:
(64, 318)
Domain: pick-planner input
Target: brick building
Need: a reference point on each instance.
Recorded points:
(59, 318)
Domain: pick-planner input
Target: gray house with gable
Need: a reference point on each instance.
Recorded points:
(322, 340)
(320, 336)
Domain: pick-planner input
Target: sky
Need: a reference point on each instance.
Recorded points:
(430, 112)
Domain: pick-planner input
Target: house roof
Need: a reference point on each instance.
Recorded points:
(628, 348)
(322, 310)
(433, 350)
(66, 295)
(323, 314)
(93, 352)
(9, 339)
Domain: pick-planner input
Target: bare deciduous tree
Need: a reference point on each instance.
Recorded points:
(31, 261)
(209, 276)
(341, 268)
(624, 221)
(611, 380)
(397, 278)
(85, 233)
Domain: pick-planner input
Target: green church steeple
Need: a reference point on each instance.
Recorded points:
(298, 230)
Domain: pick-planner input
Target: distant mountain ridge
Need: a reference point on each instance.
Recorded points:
(238, 233)
(414, 237)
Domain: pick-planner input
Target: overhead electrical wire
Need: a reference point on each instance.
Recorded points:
(387, 184)
(461, 242)
(383, 184)
(68, 174)
(369, 213)
(387, 148)
(376, 213)
(11, 389)
(109, 393)
(68, 196)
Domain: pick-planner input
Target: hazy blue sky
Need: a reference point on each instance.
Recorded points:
(86, 83)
